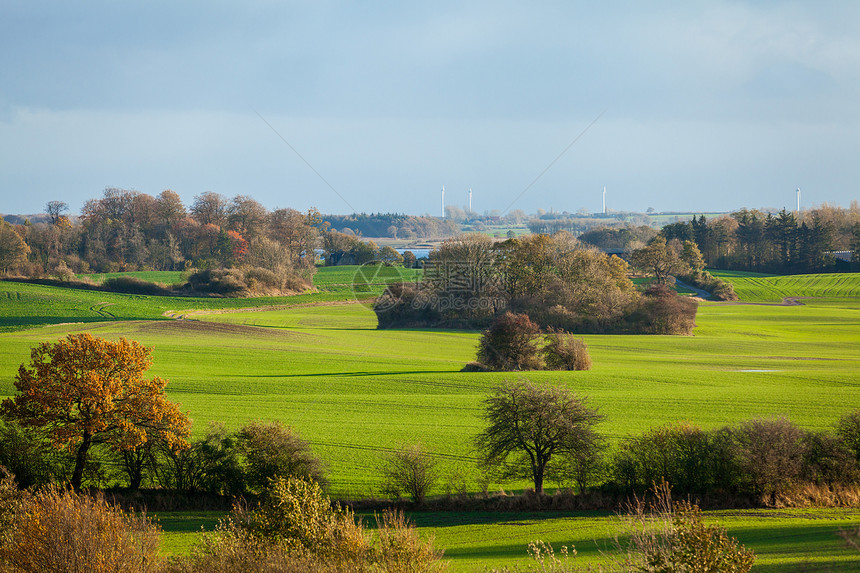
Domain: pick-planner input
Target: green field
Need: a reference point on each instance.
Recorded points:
(318, 364)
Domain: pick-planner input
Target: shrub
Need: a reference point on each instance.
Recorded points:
(134, 285)
(295, 512)
(510, 343)
(396, 548)
(409, 469)
(62, 531)
(667, 537)
(218, 281)
(271, 450)
(685, 456)
(664, 312)
(565, 352)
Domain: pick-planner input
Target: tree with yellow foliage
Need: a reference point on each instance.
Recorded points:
(84, 390)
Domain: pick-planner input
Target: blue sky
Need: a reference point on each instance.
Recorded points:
(706, 105)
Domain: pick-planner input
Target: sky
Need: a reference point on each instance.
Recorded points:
(374, 106)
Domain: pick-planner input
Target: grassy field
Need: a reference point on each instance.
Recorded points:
(318, 364)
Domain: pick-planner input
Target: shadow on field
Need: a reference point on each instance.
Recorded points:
(358, 374)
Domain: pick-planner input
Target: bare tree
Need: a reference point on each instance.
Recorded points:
(530, 424)
(55, 210)
(410, 469)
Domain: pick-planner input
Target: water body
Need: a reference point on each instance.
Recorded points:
(417, 252)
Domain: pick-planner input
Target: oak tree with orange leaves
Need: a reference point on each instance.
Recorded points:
(84, 390)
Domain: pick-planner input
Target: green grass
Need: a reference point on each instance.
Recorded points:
(755, 287)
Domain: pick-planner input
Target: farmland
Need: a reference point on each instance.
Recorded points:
(317, 363)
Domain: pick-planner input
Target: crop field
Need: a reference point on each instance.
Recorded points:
(318, 363)
(755, 287)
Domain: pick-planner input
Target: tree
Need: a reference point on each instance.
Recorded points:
(55, 210)
(658, 258)
(510, 344)
(85, 391)
(13, 249)
(530, 424)
(692, 256)
(272, 450)
(209, 208)
(410, 469)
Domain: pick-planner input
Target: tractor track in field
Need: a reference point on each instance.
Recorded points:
(99, 309)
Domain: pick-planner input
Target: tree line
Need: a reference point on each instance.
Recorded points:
(780, 243)
(128, 230)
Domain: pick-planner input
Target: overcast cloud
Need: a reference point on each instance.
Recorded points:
(708, 105)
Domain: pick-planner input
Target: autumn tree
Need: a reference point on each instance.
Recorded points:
(530, 425)
(659, 259)
(13, 249)
(84, 391)
(210, 208)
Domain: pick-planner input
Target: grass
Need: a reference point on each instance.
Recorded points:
(756, 287)
(355, 392)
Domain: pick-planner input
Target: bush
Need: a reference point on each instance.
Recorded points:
(62, 531)
(409, 469)
(664, 312)
(396, 548)
(134, 285)
(295, 512)
(271, 450)
(564, 352)
(667, 537)
(246, 282)
(510, 343)
(685, 456)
